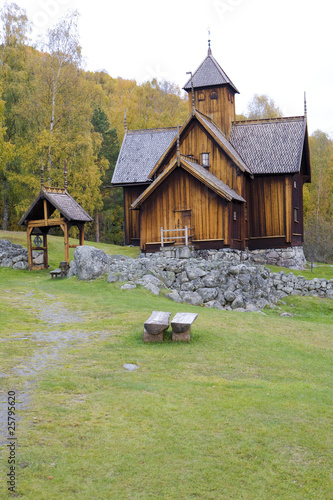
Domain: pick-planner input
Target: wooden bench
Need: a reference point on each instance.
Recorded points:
(181, 326)
(155, 326)
(60, 272)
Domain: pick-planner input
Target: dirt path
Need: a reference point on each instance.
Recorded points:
(55, 316)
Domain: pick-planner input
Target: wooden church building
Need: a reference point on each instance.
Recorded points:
(231, 184)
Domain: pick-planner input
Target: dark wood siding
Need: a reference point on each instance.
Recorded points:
(132, 217)
(269, 211)
(181, 198)
(221, 109)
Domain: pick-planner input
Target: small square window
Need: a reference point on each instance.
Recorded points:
(235, 215)
(295, 184)
(205, 160)
(296, 215)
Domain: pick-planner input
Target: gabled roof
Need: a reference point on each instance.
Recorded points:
(272, 146)
(59, 199)
(139, 153)
(215, 133)
(210, 74)
(197, 171)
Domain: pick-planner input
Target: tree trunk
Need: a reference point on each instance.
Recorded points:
(97, 227)
(5, 204)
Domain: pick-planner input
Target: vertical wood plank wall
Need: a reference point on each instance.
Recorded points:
(132, 217)
(196, 141)
(180, 191)
(220, 110)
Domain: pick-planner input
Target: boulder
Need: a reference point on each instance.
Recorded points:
(208, 294)
(194, 272)
(192, 298)
(90, 262)
(6, 262)
(21, 265)
(174, 296)
(112, 278)
(128, 286)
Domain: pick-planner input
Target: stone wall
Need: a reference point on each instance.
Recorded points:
(292, 257)
(16, 256)
(223, 280)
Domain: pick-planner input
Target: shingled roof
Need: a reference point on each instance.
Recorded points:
(140, 151)
(271, 146)
(59, 199)
(209, 74)
(197, 171)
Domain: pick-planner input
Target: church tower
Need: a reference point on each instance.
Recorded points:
(214, 93)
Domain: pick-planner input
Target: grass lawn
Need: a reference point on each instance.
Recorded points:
(242, 412)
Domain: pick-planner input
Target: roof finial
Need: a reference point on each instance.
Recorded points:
(209, 49)
(192, 92)
(305, 106)
(41, 174)
(125, 120)
(65, 176)
(178, 147)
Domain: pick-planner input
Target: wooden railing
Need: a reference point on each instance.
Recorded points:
(185, 236)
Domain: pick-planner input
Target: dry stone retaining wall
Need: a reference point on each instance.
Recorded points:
(221, 280)
(16, 256)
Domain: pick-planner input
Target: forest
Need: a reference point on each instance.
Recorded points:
(53, 112)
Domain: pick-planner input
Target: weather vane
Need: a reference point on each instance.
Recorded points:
(209, 49)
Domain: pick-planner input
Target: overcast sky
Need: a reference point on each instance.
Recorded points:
(276, 47)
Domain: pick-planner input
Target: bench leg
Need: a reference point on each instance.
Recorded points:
(148, 337)
(183, 337)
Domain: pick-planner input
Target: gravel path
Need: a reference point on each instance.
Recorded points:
(54, 315)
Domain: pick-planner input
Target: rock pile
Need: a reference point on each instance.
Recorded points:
(224, 282)
(12, 255)
(16, 256)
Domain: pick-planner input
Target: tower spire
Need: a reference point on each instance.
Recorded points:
(209, 49)
(305, 106)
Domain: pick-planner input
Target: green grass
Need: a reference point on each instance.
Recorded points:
(242, 412)
(319, 271)
(56, 246)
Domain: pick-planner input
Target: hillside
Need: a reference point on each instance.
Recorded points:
(243, 411)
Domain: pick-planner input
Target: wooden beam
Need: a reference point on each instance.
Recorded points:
(29, 231)
(45, 211)
(64, 227)
(47, 222)
(46, 259)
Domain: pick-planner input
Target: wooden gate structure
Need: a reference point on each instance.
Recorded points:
(38, 221)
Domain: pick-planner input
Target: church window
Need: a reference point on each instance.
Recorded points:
(201, 96)
(296, 215)
(205, 160)
(213, 95)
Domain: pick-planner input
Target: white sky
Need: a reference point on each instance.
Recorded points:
(280, 48)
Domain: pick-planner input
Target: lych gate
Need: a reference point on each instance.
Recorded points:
(38, 220)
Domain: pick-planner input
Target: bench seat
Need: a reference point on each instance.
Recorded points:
(155, 326)
(181, 326)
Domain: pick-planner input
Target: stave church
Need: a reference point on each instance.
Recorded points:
(215, 182)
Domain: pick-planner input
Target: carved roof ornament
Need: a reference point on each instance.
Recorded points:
(209, 49)
(125, 120)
